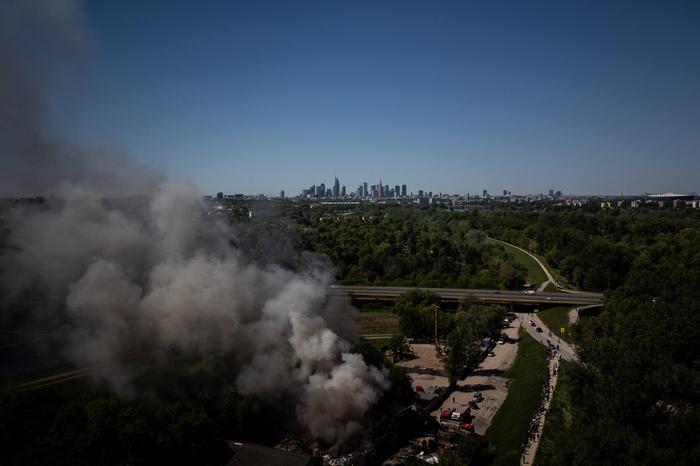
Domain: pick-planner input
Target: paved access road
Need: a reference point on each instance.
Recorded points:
(566, 351)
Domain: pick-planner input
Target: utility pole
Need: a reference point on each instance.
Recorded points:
(436, 308)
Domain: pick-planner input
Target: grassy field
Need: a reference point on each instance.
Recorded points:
(509, 426)
(556, 424)
(550, 288)
(376, 313)
(555, 273)
(556, 318)
(535, 274)
(379, 343)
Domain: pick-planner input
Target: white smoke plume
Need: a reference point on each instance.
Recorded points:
(139, 289)
(142, 278)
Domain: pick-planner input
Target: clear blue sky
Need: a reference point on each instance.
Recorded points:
(586, 97)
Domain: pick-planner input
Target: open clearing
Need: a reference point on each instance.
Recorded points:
(535, 274)
(556, 318)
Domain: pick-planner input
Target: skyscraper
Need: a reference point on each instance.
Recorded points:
(397, 191)
(403, 190)
(336, 188)
(381, 188)
(365, 192)
(342, 191)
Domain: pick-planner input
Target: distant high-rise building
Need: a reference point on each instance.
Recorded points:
(403, 190)
(365, 193)
(558, 194)
(420, 193)
(282, 194)
(336, 188)
(329, 192)
(397, 191)
(381, 189)
(312, 191)
(551, 193)
(360, 191)
(342, 191)
(219, 196)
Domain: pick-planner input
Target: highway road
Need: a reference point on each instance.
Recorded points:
(371, 293)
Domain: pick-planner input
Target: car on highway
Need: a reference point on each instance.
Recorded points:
(532, 323)
(538, 330)
(492, 354)
(529, 291)
(549, 298)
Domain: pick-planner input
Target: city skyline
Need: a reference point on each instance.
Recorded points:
(595, 97)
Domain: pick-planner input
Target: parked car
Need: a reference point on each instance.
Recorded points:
(478, 397)
(466, 427)
(492, 354)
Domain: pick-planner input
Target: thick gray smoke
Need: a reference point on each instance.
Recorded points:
(151, 278)
(42, 44)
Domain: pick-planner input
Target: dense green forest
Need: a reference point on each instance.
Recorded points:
(408, 247)
(634, 397)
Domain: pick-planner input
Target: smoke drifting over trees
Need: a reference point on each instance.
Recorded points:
(136, 285)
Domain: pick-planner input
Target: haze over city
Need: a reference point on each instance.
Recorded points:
(586, 97)
(349, 233)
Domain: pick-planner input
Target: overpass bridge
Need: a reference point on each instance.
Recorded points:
(390, 293)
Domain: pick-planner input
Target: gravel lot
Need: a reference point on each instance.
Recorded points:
(488, 380)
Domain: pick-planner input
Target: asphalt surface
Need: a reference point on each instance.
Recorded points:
(566, 351)
(455, 294)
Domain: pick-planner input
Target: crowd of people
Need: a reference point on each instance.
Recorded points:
(537, 422)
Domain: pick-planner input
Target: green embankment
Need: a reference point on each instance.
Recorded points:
(555, 273)
(556, 318)
(535, 274)
(556, 424)
(550, 288)
(10, 382)
(509, 427)
(379, 343)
